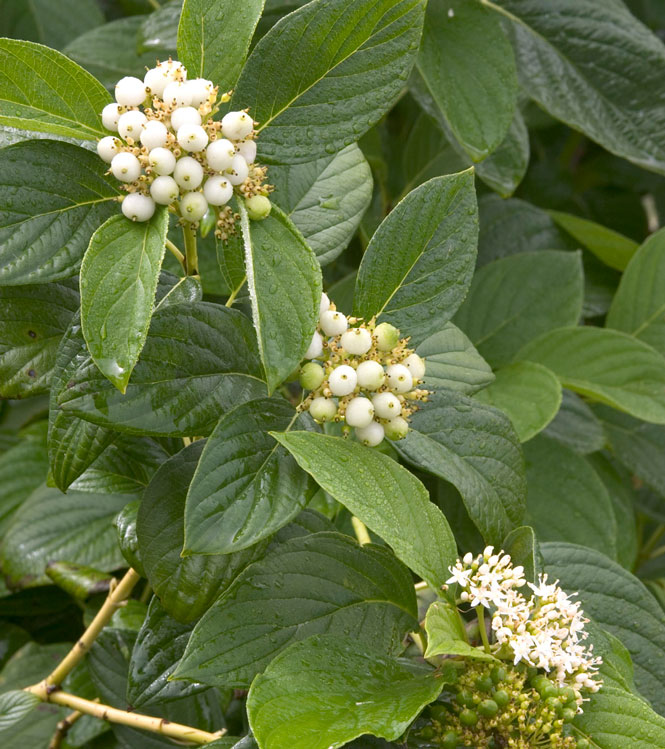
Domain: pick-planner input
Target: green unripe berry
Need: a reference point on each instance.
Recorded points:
(488, 708)
(554, 703)
(498, 674)
(464, 698)
(583, 744)
(567, 694)
(468, 717)
(539, 682)
(449, 740)
(484, 683)
(311, 376)
(439, 712)
(501, 697)
(323, 409)
(427, 732)
(258, 207)
(387, 336)
(397, 428)
(569, 715)
(548, 690)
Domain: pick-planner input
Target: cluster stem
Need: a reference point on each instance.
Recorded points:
(191, 255)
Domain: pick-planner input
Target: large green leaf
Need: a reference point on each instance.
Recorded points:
(325, 198)
(576, 425)
(214, 37)
(621, 604)
(453, 362)
(246, 486)
(524, 550)
(119, 276)
(327, 690)
(476, 100)
(638, 307)
(284, 282)
(529, 394)
(417, 268)
(173, 392)
(619, 104)
(54, 195)
(386, 497)
(33, 319)
(14, 707)
(326, 73)
(186, 586)
(605, 365)
(446, 634)
(41, 89)
(22, 469)
(517, 298)
(321, 583)
(50, 526)
(159, 30)
(475, 448)
(559, 477)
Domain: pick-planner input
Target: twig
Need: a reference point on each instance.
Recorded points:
(61, 729)
(360, 530)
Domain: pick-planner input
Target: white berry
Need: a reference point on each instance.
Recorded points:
(220, 154)
(193, 206)
(138, 207)
(131, 124)
(110, 117)
(108, 147)
(371, 435)
(177, 94)
(370, 375)
(192, 138)
(184, 116)
(188, 173)
(323, 409)
(399, 378)
(247, 149)
(218, 190)
(415, 365)
(239, 171)
(237, 125)
(357, 341)
(333, 322)
(397, 428)
(130, 91)
(164, 190)
(324, 304)
(200, 90)
(386, 405)
(159, 77)
(315, 347)
(359, 412)
(162, 161)
(342, 380)
(126, 167)
(154, 135)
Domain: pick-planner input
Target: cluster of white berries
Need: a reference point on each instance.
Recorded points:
(168, 149)
(361, 374)
(544, 630)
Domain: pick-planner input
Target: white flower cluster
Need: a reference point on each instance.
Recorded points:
(361, 374)
(545, 630)
(168, 149)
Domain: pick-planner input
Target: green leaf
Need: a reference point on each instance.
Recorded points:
(475, 448)
(326, 73)
(446, 634)
(171, 392)
(558, 477)
(186, 586)
(453, 363)
(159, 646)
(119, 276)
(315, 584)
(621, 604)
(517, 298)
(638, 307)
(576, 425)
(524, 550)
(214, 37)
(53, 198)
(619, 103)
(529, 394)
(51, 526)
(477, 101)
(246, 486)
(285, 291)
(22, 469)
(325, 199)
(125, 524)
(327, 690)
(606, 244)
(78, 580)
(41, 89)
(418, 265)
(14, 706)
(159, 30)
(33, 319)
(385, 496)
(605, 365)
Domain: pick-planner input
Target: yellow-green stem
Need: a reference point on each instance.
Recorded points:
(360, 530)
(235, 292)
(175, 251)
(191, 256)
(483, 630)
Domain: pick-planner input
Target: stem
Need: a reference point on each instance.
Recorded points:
(144, 722)
(191, 256)
(480, 612)
(62, 728)
(652, 541)
(118, 594)
(421, 585)
(170, 246)
(361, 531)
(235, 292)
(154, 4)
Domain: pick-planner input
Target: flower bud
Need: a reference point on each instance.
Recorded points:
(399, 378)
(357, 341)
(184, 116)
(188, 173)
(108, 147)
(237, 125)
(258, 207)
(370, 375)
(387, 336)
(131, 124)
(218, 190)
(130, 91)
(154, 135)
(323, 409)
(333, 322)
(192, 138)
(397, 428)
(162, 160)
(193, 206)
(312, 376)
(138, 207)
(386, 405)
(110, 117)
(342, 380)
(126, 167)
(164, 190)
(359, 412)
(219, 154)
(415, 365)
(371, 435)
(315, 347)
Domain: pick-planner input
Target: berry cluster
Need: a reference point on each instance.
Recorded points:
(170, 151)
(361, 374)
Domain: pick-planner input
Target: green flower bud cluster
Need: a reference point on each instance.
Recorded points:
(361, 374)
(166, 149)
